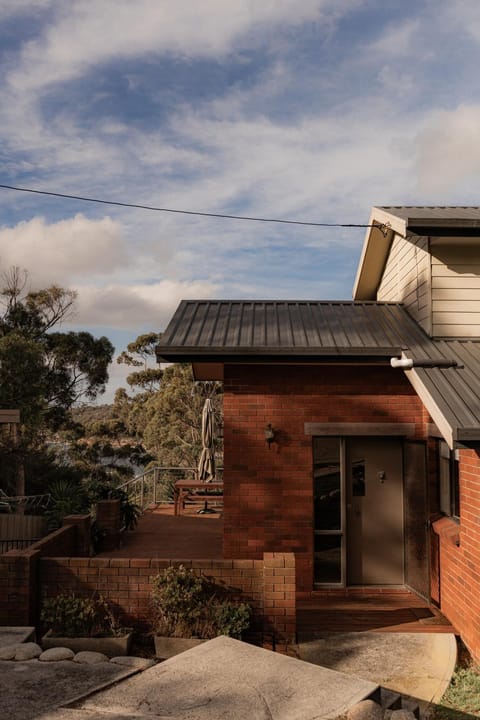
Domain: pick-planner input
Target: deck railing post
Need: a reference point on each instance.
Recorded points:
(155, 480)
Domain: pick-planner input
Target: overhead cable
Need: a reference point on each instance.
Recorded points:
(182, 212)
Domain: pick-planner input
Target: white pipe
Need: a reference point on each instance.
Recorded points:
(403, 363)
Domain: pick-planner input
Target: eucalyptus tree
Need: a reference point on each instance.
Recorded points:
(43, 372)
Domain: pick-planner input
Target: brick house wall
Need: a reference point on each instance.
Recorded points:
(268, 497)
(460, 556)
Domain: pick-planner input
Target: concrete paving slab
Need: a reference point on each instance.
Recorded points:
(9, 635)
(33, 689)
(416, 664)
(226, 678)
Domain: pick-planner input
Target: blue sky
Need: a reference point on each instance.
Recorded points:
(298, 109)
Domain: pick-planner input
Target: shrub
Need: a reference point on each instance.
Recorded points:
(185, 604)
(73, 616)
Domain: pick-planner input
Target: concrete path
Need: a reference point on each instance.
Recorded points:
(415, 664)
(34, 689)
(225, 678)
(222, 679)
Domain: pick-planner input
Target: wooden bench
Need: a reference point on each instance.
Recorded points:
(186, 491)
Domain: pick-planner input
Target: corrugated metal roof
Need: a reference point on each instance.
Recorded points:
(454, 393)
(288, 328)
(306, 331)
(430, 216)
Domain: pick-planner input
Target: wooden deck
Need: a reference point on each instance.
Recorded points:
(194, 536)
(160, 534)
(382, 611)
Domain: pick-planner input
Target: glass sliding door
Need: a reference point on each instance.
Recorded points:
(329, 521)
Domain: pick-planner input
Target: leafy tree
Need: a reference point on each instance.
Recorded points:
(44, 372)
(173, 417)
(138, 354)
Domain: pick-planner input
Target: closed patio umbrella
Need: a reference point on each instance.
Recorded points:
(206, 464)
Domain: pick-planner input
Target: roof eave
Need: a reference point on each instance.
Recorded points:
(265, 354)
(376, 247)
(453, 434)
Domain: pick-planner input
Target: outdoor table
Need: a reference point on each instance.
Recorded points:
(183, 487)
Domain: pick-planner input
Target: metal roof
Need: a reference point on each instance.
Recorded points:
(219, 331)
(452, 395)
(431, 216)
(226, 329)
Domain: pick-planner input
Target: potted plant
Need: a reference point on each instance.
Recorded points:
(81, 623)
(188, 609)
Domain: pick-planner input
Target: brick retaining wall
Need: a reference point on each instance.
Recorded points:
(27, 576)
(268, 584)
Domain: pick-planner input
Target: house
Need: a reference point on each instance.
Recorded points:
(352, 429)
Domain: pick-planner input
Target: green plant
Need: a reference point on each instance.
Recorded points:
(74, 616)
(105, 490)
(231, 618)
(67, 498)
(462, 695)
(185, 604)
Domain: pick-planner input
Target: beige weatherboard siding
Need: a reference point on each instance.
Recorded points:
(427, 258)
(455, 272)
(406, 278)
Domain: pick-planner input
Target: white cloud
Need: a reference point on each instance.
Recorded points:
(448, 154)
(396, 40)
(64, 251)
(461, 15)
(12, 8)
(79, 38)
(136, 306)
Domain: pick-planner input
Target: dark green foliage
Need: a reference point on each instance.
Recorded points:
(73, 616)
(231, 618)
(138, 354)
(172, 418)
(43, 373)
(130, 512)
(188, 605)
(67, 498)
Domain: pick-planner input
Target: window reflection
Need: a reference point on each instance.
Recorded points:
(326, 475)
(358, 478)
(328, 558)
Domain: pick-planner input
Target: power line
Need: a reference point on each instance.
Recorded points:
(181, 212)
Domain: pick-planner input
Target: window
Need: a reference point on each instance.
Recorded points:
(328, 510)
(449, 480)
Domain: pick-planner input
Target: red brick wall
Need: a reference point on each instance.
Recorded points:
(18, 587)
(268, 584)
(268, 505)
(19, 569)
(460, 557)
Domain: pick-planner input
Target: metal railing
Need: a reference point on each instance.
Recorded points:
(23, 503)
(156, 484)
(6, 545)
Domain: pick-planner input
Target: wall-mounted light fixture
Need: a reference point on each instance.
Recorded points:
(269, 435)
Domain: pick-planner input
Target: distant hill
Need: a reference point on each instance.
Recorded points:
(88, 414)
